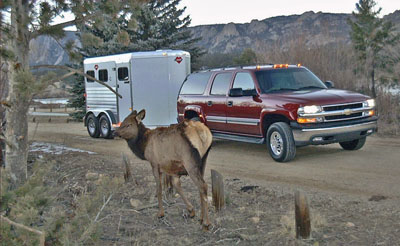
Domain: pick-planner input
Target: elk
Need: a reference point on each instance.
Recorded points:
(177, 150)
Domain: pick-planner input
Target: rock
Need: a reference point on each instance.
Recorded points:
(135, 203)
(92, 176)
(255, 219)
(349, 224)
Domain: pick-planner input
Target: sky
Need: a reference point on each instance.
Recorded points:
(241, 11)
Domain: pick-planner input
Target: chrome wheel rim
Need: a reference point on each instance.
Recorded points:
(104, 127)
(91, 126)
(276, 143)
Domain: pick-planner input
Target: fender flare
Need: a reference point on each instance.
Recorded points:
(196, 109)
(285, 113)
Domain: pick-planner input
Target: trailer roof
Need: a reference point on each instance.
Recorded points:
(125, 57)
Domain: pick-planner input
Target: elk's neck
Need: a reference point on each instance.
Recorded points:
(139, 144)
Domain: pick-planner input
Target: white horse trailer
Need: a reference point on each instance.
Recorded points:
(145, 80)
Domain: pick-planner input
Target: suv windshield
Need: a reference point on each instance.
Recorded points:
(289, 79)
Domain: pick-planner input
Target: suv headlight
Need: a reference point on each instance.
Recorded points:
(370, 103)
(313, 109)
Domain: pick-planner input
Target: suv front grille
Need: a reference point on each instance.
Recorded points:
(342, 107)
(343, 115)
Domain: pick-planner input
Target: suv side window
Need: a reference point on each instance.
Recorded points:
(244, 81)
(195, 84)
(221, 84)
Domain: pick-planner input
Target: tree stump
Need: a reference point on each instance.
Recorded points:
(303, 222)
(218, 196)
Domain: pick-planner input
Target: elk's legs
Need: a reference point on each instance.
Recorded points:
(177, 184)
(197, 178)
(157, 177)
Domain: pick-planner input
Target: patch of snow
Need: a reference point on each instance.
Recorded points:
(52, 100)
(56, 149)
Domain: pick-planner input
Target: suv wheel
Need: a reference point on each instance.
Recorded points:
(280, 142)
(92, 125)
(354, 144)
(105, 127)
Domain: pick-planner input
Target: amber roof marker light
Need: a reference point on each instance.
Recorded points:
(281, 65)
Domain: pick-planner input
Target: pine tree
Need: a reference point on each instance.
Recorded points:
(372, 40)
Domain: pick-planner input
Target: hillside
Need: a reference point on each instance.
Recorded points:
(260, 35)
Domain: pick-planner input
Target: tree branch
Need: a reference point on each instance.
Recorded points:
(39, 32)
(41, 234)
(77, 72)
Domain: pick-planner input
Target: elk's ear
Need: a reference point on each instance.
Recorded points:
(140, 116)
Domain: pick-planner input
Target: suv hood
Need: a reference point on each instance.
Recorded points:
(318, 97)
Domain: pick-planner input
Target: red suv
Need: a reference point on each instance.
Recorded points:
(281, 105)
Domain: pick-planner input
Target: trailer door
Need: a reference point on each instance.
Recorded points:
(124, 89)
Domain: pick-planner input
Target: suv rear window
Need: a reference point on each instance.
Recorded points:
(195, 84)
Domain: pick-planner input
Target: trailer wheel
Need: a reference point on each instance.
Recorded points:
(105, 127)
(280, 142)
(354, 144)
(92, 124)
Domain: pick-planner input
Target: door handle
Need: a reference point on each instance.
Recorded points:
(230, 103)
(209, 103)
(126, 82)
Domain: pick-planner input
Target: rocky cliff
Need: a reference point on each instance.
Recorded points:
(260, 35)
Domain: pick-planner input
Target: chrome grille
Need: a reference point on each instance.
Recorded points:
(341, 112)
(342, 107)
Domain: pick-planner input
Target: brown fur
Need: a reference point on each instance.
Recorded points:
(180, 149)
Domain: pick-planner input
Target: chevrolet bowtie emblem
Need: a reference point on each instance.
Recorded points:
(347, 112)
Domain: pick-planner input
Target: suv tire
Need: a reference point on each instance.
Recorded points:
(354, 144)
(92, 125)
(280, 142)
(105, 127)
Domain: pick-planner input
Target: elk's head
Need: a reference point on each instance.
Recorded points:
(129, 128)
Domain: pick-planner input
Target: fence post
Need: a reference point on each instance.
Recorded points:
(217, 183)
(303, 222)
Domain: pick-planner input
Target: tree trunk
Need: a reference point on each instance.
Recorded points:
(19, 96)
(3, 95)
(373, 90)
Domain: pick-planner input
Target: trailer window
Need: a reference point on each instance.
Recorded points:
(90, 73)
(195, 84)
(221, 84)
(123, 73)
(103, 75)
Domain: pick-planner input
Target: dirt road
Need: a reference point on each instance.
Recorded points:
(373, 170)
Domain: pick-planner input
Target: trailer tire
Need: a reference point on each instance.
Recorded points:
(280, 142)
(354, 144)
(92, 125)
(105, 127)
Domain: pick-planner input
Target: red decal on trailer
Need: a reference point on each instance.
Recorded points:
(178, 59)
(96, 67)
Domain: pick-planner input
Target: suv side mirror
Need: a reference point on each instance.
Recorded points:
(329, 84)
(236, 92)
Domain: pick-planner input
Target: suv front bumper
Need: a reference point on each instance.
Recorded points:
(333, 134)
